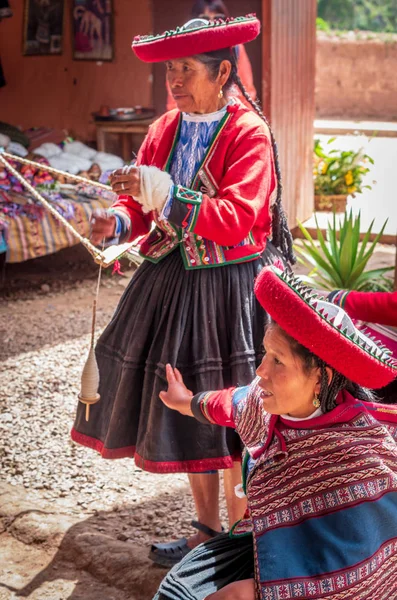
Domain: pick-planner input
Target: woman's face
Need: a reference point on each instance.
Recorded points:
(192, 87)
(287, 388)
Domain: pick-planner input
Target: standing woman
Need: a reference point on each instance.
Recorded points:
(213, 10)
(207, 175)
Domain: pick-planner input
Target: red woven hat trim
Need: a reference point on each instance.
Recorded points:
(181, 42)
(303, 315)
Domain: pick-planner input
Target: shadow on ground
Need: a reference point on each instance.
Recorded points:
(48, 554)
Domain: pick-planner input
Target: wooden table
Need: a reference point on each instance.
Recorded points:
(125, 129)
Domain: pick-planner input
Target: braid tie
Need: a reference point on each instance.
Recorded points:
(281, 235)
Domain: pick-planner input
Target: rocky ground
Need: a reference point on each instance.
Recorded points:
(74, 525)
(45, 320)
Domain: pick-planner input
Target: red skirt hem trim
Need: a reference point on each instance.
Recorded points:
(185, 466)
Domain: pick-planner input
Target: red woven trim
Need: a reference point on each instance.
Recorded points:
(310, 329)
(187, 466)
(196, 41)
(94, 444)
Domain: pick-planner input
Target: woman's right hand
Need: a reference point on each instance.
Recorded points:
(177, 397)
(103, 225)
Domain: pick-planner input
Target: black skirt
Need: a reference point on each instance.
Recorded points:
(208, 568)
(207, 323)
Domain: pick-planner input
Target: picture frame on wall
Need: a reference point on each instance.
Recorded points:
(43, 27)
(92, 30)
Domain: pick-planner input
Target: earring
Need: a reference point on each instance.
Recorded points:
(220, 95)
(316, 401)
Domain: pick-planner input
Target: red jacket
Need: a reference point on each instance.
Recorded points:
(225, 217)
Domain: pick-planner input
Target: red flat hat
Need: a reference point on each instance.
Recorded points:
(324, 328)
(196, 37)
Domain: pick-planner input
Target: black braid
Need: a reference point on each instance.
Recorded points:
(281, 235)
(330, 391)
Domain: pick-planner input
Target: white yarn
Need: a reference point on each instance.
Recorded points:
(155, 188)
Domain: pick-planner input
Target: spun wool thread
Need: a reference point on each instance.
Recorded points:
(155, 188)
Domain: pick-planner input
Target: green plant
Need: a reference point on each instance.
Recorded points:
(322, 25)
(339, 261)
(339, 172)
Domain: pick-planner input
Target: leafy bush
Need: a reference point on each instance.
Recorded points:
(322, 25)
(340, 260)
(368, 15)
(339, 172)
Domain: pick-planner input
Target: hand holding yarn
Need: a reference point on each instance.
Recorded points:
(103, 225)
(149, 186)
(177, 397)
(126, 181)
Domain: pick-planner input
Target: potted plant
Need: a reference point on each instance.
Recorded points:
(340, 260)
(336, 175)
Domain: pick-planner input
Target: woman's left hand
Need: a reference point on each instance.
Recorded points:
(126, 182)
(177, 397)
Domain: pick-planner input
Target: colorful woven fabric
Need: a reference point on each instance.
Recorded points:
(195, 37)
(322, 497)
(32, 238)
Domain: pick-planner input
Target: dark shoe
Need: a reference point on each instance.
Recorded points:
(171, 553)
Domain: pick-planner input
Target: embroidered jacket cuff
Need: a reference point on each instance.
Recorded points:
(184, 207)
(198, 406)
(338, 297)
(123, 225)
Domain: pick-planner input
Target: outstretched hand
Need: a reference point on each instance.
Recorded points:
(177, 397)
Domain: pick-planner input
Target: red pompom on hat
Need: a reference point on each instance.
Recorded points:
(324, 328)
(196, 37)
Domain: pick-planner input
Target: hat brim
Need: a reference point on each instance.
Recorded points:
(299, 318)
(181, 43)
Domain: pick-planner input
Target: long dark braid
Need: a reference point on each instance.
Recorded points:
(281, 235)
(330, 391)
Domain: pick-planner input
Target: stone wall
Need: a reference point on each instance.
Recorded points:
(356, 76)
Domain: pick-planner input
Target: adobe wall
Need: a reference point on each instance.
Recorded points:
(356, 78)
(59, 92)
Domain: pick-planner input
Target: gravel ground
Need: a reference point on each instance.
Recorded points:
(45, 319)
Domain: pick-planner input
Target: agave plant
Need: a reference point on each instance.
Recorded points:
(340, 260)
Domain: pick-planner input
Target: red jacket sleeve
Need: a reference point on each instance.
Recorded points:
(373, 307)
(244, 193)
(214, 407)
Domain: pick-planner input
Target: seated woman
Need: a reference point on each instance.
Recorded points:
(319, 467)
